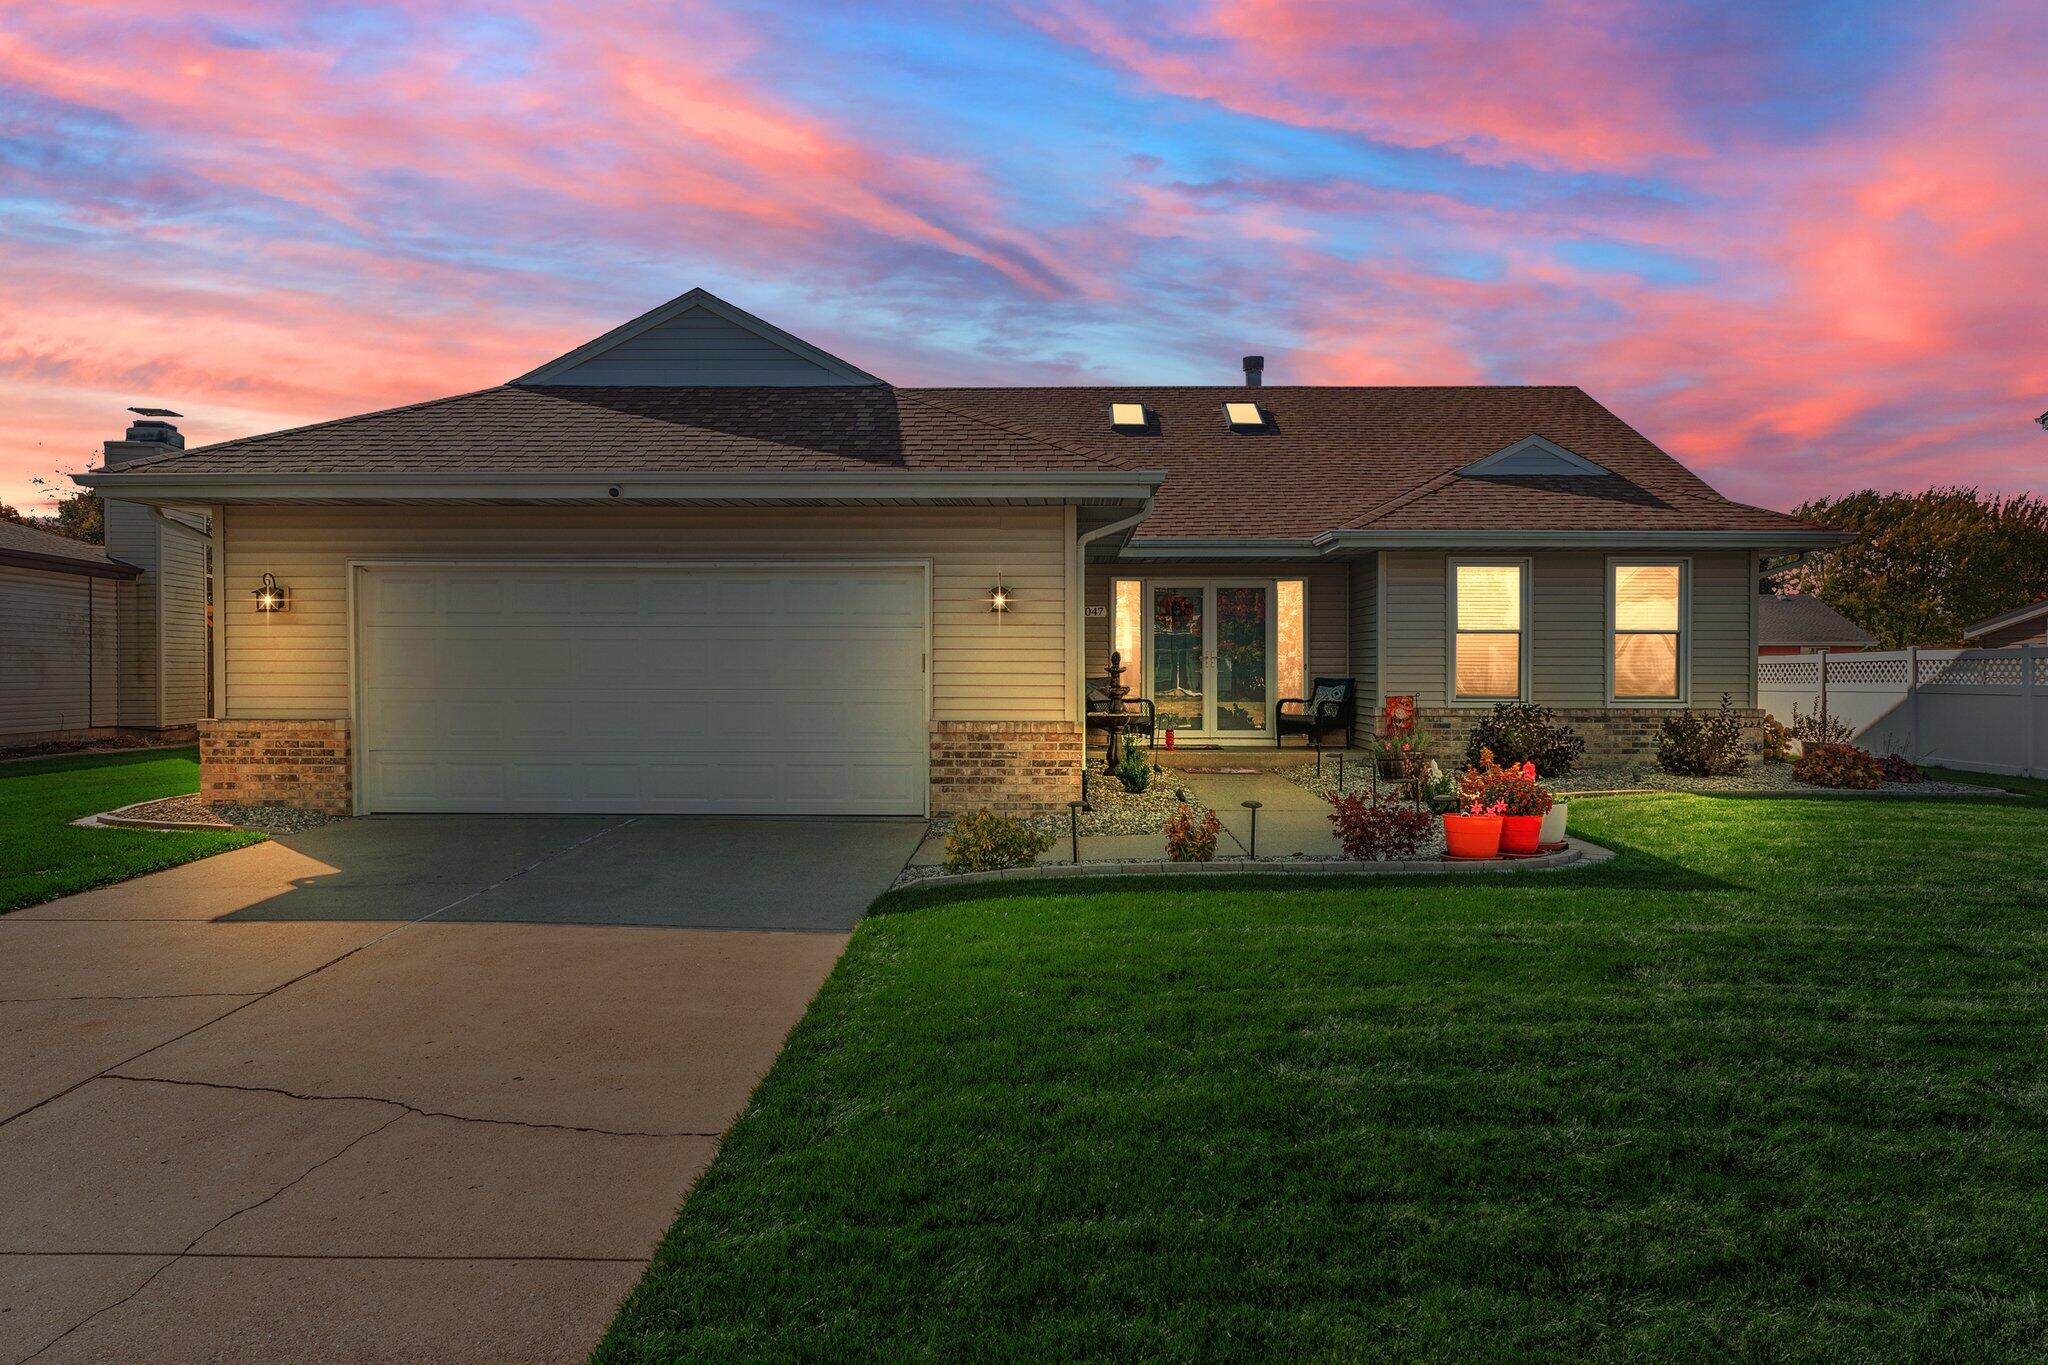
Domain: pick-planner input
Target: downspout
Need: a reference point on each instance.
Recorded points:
(1078, 616)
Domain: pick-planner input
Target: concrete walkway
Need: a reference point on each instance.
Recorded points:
(394, 1089)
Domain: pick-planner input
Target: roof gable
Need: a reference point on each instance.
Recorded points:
(697, 340)
(1533, 456)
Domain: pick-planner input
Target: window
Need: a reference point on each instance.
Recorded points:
(1292, 634)
(1244, 414)
(1489, 603)
(1646, 607)
(1127, 414)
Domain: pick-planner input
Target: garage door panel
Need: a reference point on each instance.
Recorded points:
(773, 691)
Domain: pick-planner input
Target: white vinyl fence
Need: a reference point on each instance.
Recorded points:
(1982, 710)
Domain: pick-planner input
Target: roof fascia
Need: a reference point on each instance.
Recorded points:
(2010, 618)
(1376, 540)
(1109, 485)
(711, 303)
(84, 568)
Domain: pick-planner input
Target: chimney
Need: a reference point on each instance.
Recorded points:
(147, 435)
(1254, 371)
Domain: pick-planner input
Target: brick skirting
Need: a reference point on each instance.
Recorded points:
(302, 764)
(1612, 736)
(1012, 767)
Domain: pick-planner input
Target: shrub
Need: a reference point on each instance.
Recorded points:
(1522, 732)
(1702, 743)
(1189, 840)
(1777, 741)
(984, 841)
(1820, 728)
(1838, 765)
(1493, 789)
(1135, 772)
(1379, 830)
(1899, 768)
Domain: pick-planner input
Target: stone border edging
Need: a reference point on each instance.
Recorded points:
(1577, 853)
(114, 819)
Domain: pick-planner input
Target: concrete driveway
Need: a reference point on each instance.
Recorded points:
(397, 1088)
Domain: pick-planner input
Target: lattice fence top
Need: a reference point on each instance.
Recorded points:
(1867, 670)
(1788, 672)
(1980, 668)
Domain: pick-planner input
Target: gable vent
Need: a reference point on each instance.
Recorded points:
(1532, 456)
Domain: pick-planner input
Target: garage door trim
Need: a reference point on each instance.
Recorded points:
(355, 567)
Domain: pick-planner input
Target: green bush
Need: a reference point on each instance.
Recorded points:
(1842, 766)
(1521, 732)
(984, 841)
(1135, 772)
(1702, 743)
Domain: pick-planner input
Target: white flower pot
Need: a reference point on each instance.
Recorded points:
(1553, 824)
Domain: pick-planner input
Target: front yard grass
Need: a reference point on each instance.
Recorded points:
(1770, 1085)
(44, 856)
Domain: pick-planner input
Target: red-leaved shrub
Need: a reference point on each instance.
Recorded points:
(1189, 840)
(1899, 768)
(1841, 766)
(1381, 830)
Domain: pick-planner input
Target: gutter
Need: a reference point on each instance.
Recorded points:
(1075, 617)
(83, 568)
(1674, 539)
(144, 485)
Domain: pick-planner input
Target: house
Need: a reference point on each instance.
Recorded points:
(700, 565)
(1800, 623)
(2027, 625)
(97, 642)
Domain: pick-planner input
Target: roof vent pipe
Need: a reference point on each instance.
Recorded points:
(1254, 371)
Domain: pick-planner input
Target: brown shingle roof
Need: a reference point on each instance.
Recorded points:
(1378, 458)
(1803, 619)
(30, 548)
(515, 429)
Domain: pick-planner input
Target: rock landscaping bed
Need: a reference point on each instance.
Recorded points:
(1757, 777)
(189, 812)
(1115, 811)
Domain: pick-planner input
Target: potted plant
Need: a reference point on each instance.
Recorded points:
(1511, 793)
(1552, 834)
(1473, 830)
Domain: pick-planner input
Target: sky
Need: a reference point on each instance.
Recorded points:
(1802, 245)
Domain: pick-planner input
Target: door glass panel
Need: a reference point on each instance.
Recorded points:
(1241, 659)
(1177, 657)
(1292, 631)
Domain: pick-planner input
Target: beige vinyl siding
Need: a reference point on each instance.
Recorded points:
(181, 600)
(1568, 639)
(1326, 603)
(132, 539)
(59, 634)
(984, 666)
(1365, 639)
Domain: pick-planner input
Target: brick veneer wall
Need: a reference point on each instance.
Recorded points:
(1012, 767)
(1615, 736)
(298, 763)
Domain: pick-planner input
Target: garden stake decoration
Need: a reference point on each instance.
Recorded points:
(1253, 807)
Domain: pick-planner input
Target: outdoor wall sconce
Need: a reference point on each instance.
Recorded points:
(999, 598)
(270, 597)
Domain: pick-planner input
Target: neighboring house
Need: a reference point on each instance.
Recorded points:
(97, 642)
(700, 565)
(2026, 626)
(1800, 623)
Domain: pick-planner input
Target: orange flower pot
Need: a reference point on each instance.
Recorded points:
(1472, 836)
(1520, 833)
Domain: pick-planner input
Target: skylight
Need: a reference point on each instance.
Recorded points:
(1127, 414)
(1244, 414)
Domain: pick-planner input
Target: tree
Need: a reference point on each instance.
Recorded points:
(1925, 565)
(82, 516)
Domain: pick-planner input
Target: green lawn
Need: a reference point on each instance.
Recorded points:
(1773, 1084)
(44, 856)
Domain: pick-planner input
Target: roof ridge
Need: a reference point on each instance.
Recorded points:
(1113, 461)
(170, 455)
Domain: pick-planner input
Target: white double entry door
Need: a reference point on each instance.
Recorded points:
(1209, 657)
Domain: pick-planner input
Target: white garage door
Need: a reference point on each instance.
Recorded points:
(762, 691)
